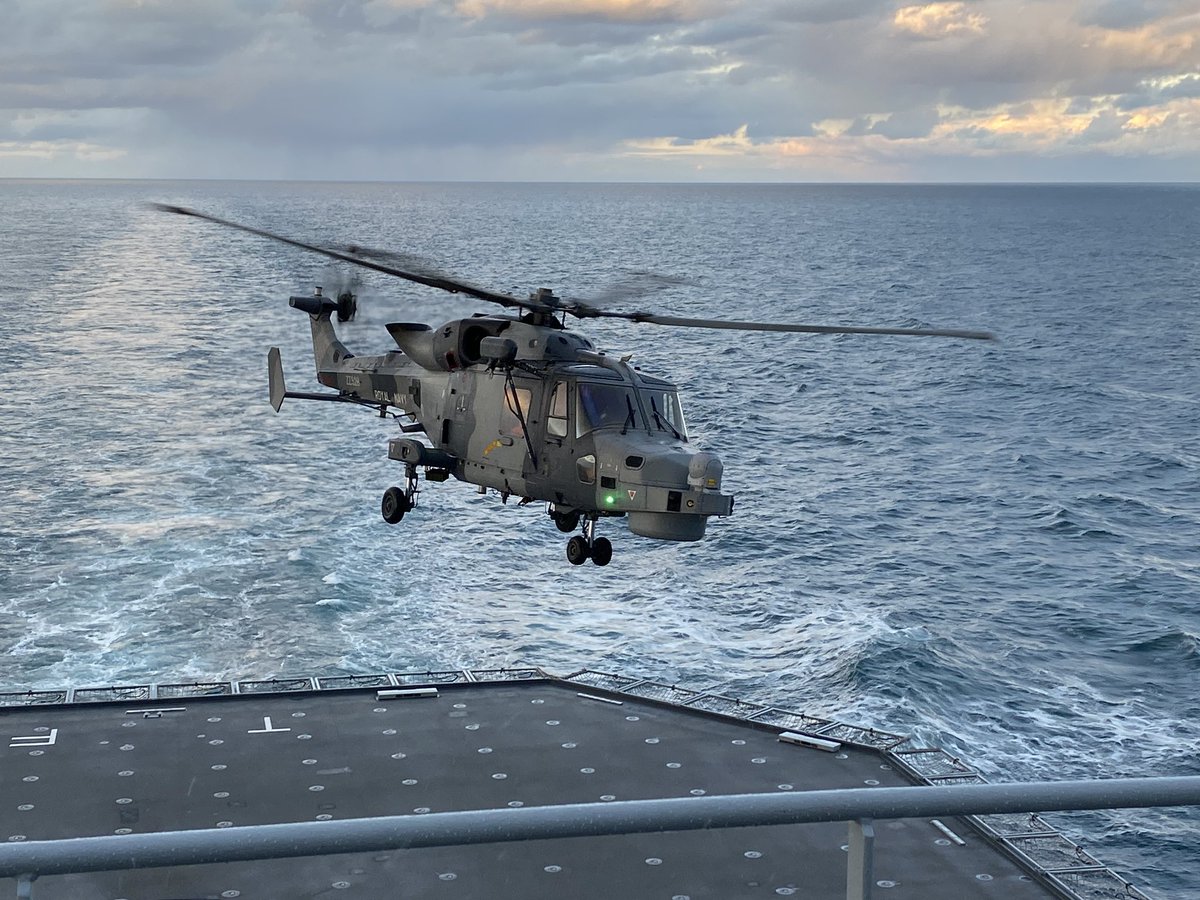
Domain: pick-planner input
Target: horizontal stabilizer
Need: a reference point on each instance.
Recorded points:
(275, 378)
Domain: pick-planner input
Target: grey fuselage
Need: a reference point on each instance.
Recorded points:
(533, 411)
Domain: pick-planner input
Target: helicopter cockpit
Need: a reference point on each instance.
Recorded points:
(603, 399)
(601, 405)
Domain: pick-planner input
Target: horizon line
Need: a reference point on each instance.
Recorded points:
(676, 183)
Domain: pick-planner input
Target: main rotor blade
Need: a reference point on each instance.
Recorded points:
(681, 322)
(436, 281)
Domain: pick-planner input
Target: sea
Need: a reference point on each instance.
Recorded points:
(992, 546)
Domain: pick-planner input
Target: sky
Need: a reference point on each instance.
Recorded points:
(602, 90)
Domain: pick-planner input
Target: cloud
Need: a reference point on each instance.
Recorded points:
(909, 123)
(592, 88)
(823, 12)
(614, 10)
(51, 151)
(1132, 14)
(938, 20)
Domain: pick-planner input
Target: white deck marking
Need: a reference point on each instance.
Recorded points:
(34, 740)
(267, 727)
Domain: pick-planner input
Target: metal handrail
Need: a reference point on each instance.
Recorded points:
(28, 860)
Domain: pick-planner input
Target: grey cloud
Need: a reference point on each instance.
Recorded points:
(721, 32)
(1188, 87)
(912, 123)
(90, 40)
(1081, 105)
(57, 130)
(822, 12)
(859, 127)
(330, 86)
(1131, 14)
(863, 67)
(1137, 100)
(1105, 126)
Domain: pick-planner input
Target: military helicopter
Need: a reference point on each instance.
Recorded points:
(517, 404)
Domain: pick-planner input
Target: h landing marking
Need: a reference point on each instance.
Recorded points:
(267, 727)
(35, 740)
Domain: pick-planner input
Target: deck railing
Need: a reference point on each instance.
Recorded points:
(859, 807)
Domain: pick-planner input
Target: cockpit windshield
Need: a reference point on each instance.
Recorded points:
(665, 412)
(602, 405)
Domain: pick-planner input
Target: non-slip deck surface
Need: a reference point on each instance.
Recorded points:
(213, 762)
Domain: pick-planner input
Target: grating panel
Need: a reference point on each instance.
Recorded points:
(195, 689)
(33, 698)
(455, 677)
(864, 737)
(341, 682)
(790, 720)
(507, 674)
(1014, 824)
(667, 693)
(1100, 885)
(932, 762)
(1052, 851)
(601, 680)
(275, 686)
(108, 694)
(962, 778)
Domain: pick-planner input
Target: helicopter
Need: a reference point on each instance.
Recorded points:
(517, 404)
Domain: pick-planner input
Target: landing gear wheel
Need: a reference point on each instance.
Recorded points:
(577, 550)
(602, 551)
(394, 505)
(566, 522)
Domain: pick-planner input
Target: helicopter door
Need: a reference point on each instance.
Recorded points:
(510, 450)
(557, 463)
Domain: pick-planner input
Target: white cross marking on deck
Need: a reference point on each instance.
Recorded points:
(267, 727)
(34, 740)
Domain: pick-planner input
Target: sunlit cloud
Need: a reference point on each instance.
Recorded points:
(615, 10)
(735, 143)
(51, 150)
(1047, 127)
(938, 20)
(1162, 44)
(783, 155)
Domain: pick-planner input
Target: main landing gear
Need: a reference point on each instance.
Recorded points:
(398, 501)
(587, 546)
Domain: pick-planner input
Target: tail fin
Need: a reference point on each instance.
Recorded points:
(328, 351)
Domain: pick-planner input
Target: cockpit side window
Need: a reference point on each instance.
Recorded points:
(556, 418)
(601, 405)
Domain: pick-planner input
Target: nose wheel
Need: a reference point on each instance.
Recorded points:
(587, 546)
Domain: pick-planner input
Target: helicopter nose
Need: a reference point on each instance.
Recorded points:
(679, 491)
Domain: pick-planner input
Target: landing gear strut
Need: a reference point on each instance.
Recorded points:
(398, 501)
(587, 546)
